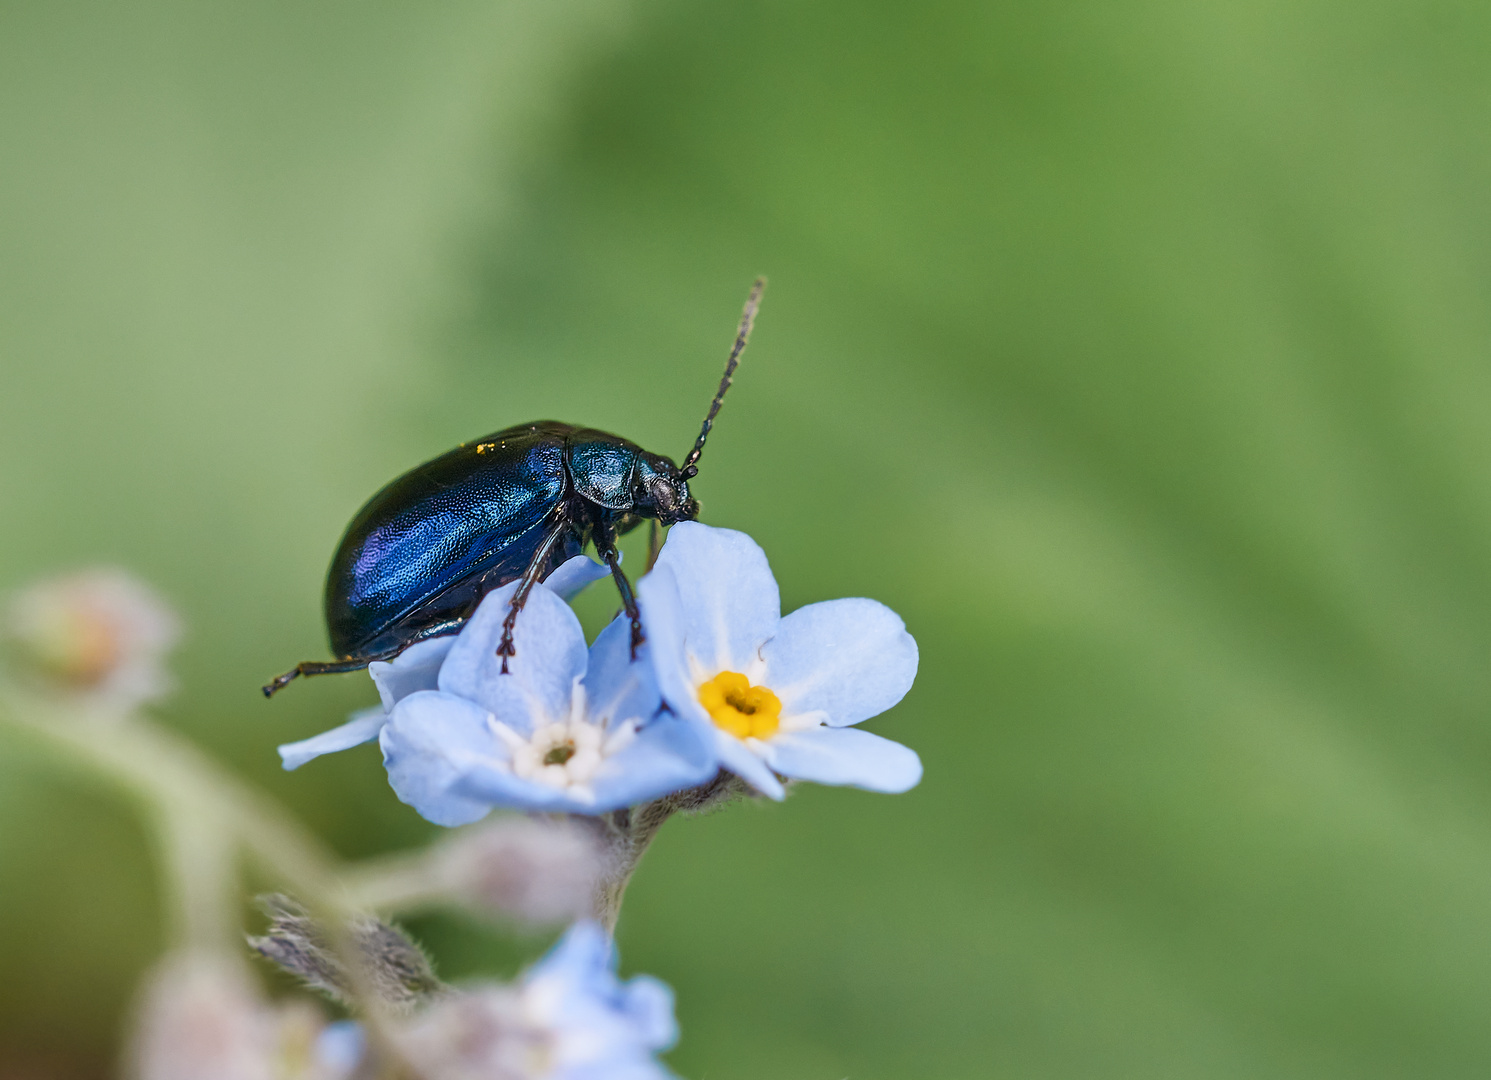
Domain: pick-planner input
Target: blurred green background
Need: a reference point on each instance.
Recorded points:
(1135, 352)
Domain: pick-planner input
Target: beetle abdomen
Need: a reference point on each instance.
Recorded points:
(447, 521)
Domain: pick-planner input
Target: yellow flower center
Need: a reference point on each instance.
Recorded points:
(743, 710)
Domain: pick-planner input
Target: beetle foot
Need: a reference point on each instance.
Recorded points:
(506, 648)
(637, 637)
(281, 681)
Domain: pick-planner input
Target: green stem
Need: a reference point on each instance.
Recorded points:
(203, 813)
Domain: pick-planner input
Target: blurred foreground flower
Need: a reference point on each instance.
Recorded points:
(568, 1018)
(536, 872)
(775, 695)
(566, 730)
(513, 869)
(101, 635)
(201, 1017)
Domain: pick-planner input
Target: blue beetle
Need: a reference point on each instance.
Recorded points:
(420, 555)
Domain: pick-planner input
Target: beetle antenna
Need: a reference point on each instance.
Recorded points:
(690, 467)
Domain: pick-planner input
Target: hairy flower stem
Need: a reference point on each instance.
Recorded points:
(626, 834)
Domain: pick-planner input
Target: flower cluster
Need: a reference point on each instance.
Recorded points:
(603, 740)
(724, 694)
(723, 681)
(567, 1018)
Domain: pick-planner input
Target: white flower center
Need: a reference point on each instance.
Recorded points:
(565, 753)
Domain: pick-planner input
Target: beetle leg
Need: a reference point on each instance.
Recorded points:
(505, 647)
(606, 548)
(316, 667)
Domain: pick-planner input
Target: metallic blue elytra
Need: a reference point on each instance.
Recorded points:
(423, 552)
(419, 556)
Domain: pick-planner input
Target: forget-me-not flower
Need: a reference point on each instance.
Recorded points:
(777, 696)
(417, 668)
(563, 730)
(568, 1018)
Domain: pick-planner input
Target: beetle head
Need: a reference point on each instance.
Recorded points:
(662, 491)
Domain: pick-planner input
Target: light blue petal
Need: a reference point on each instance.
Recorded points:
(748, 765)
(363, 727)
(649, 1005)
(668, 755)
(617, 687)
(665, 757)
(550, 656)
(426, 743)
(846, 756)
(608, 1067)
(412, 670)
(622, 1022)
(662, 619)
(851, 659)
(584, 953)
(730, 603)
(340, 1046)
(570, 577)
(493, 784)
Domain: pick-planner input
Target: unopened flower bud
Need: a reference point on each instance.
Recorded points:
(101, 634)
(201, 1017)
(531, 871)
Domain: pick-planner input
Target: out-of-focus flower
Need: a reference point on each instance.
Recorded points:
(776, 695)
(568, 1018)
(99, 634)
(200, 1016)
(418, 668)
(562, 731)
(532, 871)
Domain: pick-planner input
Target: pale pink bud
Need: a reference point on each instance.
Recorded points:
(201, 1017)
(101, 634)
(531, 871)
(478, 1035)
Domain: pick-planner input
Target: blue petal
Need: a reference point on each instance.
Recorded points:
(845, 756)
(622, 1023)
(665, 757)
(745, 763)
(649, 1005)
(493, 784)
(363, 727)
(851, 659)
(340, 1047)
(617, 687)
(585, 953)
(663, 619)
(610, 1067)
(730, 601)
(412, 670)
(574, 575)
(426, 744)
(550, 656)
(668, 755)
